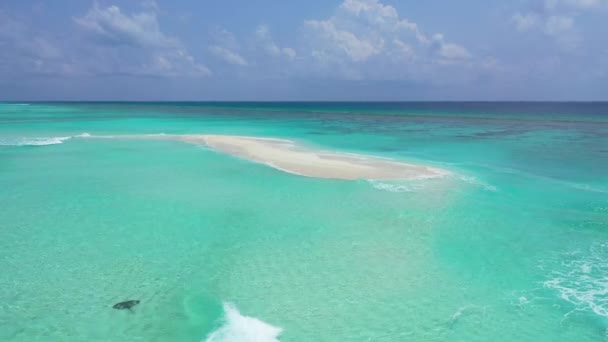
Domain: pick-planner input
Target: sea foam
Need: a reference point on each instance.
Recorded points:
(33, 141)
(474, 181)
(237, 327)
(395, 186)
(582, 280)
(39, 141)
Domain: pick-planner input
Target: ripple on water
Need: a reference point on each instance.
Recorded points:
(581, 279)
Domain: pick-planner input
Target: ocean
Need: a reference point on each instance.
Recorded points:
(511, 245)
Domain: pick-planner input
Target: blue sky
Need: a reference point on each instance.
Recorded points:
(304, 50)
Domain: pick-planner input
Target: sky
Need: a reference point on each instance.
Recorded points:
(326, 50)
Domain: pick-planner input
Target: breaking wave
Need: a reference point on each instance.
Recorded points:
(582, 280)
(241, 328)
(33, 141)
(39, 141)
(507, 170)
(474, 181)
(396, 186)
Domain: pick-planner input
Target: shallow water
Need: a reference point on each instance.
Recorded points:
(512, 246)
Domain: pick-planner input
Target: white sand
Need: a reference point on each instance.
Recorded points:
(285, 155)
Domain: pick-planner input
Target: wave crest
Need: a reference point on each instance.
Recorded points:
(39, 141)
(474, 181)
(395, 186)
(238, 327)
(33, 141)
(582, 280)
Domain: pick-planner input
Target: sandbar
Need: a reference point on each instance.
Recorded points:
(288, 156)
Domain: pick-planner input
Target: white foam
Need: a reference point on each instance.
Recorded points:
(582, 280)
(279, 140)
(396, 187)
(586, 187)
(157, 135)
(586, 268)
(273, 165)
(578, 186)
(240, 328)
(33, 141)
(523, 300)
(39, 141)
(584, 296)
(474, 181)
(467, 310)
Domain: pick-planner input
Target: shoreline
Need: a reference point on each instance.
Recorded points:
(287, 156)
(290, 157)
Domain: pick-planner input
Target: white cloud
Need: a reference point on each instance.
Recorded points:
(140, 29)
(404, 50)
(138, 42)
(224, 38)
(24, 49)
(150, 4)
(380, 16)
(265, 39)
(525, 22)
(226, 47)
(228, 55)
(450, 51)
(579, 4)
(358, 49)
(454, 51)
(556, 18)
(365, 30)
(174, 63)
(373, 9)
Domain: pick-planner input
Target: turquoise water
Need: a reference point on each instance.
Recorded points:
(512, 246)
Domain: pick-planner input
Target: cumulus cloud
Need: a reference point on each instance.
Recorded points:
(228, 55)
(361, 39)
(114, 26)
(525, 22)
(226, 47)
(173, 63)
(26, 50)
(450, 51)
(361, 29)
(115, 43)
(578, 4)
(257, 55)
(343, 41)
(139, 40)
(264, 38)
(376, 14)
(555, 18)
(403, 50)
(552, 25)
(366, 38)
(224, 38)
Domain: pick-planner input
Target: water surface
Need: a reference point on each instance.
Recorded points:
(513, 246)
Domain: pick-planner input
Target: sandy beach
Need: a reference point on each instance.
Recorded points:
(289, 157)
